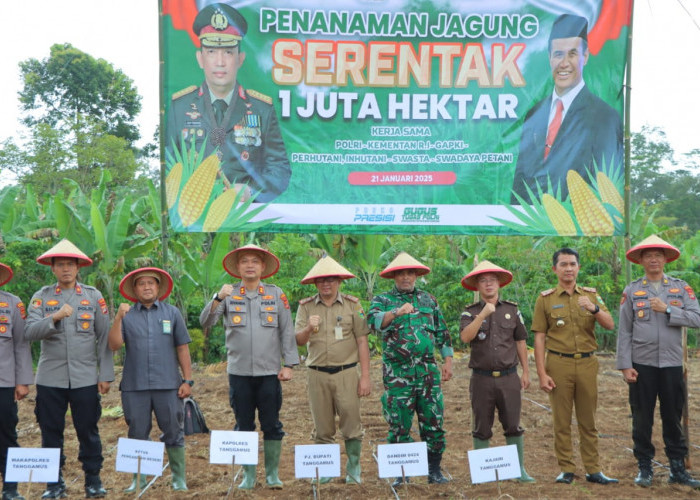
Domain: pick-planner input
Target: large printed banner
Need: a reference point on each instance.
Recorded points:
(395, 116)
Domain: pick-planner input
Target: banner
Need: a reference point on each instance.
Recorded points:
(388, 116)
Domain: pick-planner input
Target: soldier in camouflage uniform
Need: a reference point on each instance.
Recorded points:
(412, 327)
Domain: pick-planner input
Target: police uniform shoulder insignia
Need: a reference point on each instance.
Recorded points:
(589, 289)
(22, 310)
(285, 301)
(306, 300)
(624, 298)
(547, 292)
(351, 298)
(260, 97)
(691, 294)
(103, 305)
(184, 92)
(509, 302)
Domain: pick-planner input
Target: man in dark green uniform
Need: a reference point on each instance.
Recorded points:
(220, 115)
(412, 327)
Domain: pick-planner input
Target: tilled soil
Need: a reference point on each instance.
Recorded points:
(214, 481)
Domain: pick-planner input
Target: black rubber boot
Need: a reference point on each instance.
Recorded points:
(434, 473)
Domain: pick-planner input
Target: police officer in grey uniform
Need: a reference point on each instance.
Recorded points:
(15, 373)
(157, 343)
(72, 322)
(259, 335)
(653, 311)
(240, 122)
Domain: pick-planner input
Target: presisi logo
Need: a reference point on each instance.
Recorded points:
(374, 218)
(420, 214)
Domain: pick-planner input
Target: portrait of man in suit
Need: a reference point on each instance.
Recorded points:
(570, 129)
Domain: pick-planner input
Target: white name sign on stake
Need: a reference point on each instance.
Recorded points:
(484, 463)
(413, 457)
(309, 457)
(224, 445)
(42, 462)
(151, 453)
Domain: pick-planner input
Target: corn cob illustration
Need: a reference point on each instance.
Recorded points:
(197, 190)
(172, 184)
(558, 216)
(219, 210)
(590, 213)
(609, 193)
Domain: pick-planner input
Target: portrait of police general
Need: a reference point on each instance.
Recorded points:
(222, 116)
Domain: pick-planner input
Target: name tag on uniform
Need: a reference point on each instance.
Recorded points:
(167, 329)
(338, 333)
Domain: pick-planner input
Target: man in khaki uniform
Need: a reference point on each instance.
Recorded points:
(334, 326)
(564, 324)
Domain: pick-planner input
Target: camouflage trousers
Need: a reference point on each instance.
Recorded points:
(414, 389)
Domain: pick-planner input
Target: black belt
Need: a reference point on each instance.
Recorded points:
(578, 355)
(496, 373)
(332, 369)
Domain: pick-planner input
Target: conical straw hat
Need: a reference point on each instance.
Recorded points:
(470, 280)
(272, 263)
(404, 261)
(634, 254)
(324, 268)
(165, 282)
(5, 273)
(64, 248)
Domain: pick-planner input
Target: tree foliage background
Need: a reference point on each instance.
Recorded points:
(82, 177)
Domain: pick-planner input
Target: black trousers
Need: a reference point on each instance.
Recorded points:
(51, 406)
(246, 394)
(8, 427)
(667, 385)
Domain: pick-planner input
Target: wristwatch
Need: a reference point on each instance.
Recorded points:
(596, 310)
(188, 382)
(668, 310)
(216, 297)
(395, 311)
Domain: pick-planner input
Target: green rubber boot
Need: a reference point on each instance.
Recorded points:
(480, 444)
(176, 455)
(518, 442)
(353, 449)
(272, 462)
(142, 483)
(248, 482)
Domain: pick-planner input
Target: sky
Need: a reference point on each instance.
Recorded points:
(664, 80)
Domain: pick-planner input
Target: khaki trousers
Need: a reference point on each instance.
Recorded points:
(576, 386)
(331, 395)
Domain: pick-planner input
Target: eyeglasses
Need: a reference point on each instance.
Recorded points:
(331, 279)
